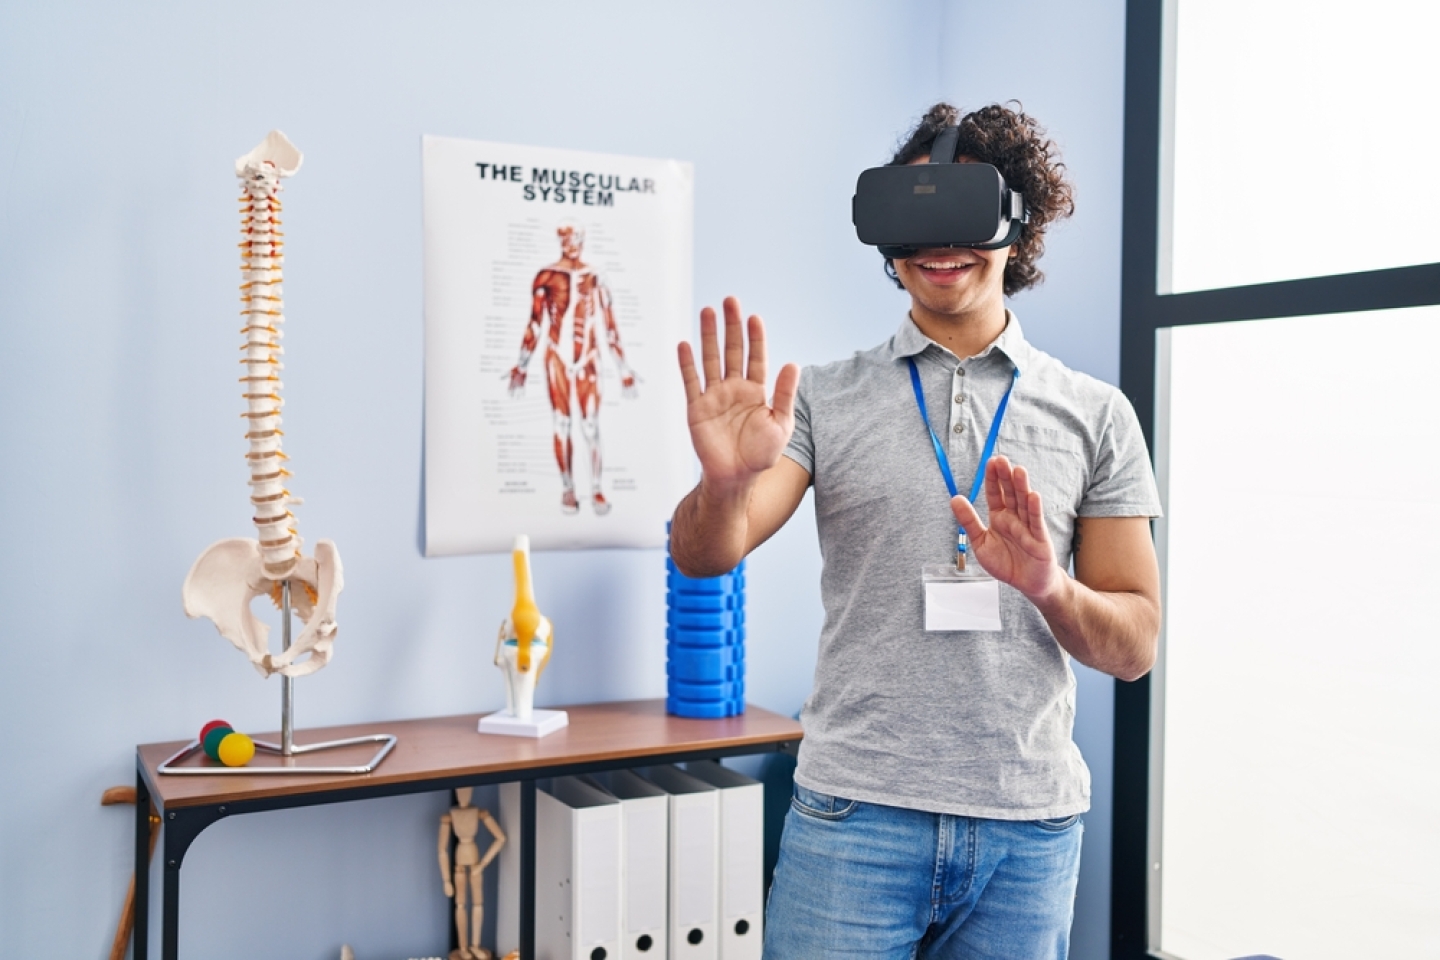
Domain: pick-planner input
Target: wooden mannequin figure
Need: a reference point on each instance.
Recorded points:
(464, 821)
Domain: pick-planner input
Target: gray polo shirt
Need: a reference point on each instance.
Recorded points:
(968, 723)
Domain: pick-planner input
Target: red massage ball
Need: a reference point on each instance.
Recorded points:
(210, 726)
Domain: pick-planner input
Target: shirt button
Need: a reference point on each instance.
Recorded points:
(959, 371)
(959, 398)
(958, 428)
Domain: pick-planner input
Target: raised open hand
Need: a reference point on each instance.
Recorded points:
(737, 435)
(1016, 547)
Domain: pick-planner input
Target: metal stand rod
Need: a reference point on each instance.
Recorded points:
(287, 684)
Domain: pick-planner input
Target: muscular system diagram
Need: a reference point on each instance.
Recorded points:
(571, 309)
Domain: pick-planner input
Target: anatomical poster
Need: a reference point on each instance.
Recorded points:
(557, 284)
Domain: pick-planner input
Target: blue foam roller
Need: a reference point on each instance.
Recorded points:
(704, 663)
(691, 671)
(720, 655)
(734, 576)
(706, 621)
(721, 690)
(704, 711)
(694, 637)
(703, 601)
(682, 584)
(729, 673)
(703, 619)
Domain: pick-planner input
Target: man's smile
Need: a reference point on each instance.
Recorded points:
(943, 267)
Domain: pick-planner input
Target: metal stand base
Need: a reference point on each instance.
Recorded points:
(389, 741)
(286, 747)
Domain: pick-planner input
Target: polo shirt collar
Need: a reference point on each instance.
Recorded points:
(910, 342)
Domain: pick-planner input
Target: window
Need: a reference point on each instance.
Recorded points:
(1279, 331)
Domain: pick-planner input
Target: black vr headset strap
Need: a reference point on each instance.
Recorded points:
(1005, 241)
(943, 149)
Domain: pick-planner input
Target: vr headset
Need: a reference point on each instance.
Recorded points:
(903, 209)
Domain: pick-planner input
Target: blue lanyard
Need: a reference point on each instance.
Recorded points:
(962, 546)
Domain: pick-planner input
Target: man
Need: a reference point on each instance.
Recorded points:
(938, 794)
(570, 294)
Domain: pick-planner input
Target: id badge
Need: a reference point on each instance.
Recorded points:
(960, 601)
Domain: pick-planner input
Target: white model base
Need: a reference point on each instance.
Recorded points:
(541, 723)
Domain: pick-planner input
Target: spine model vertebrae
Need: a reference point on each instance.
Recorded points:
(262, 296)
(231, 573)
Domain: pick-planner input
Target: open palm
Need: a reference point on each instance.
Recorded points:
(736, 433)
(1015, 548)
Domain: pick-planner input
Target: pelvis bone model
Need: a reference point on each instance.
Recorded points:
(526, 638)
(232, 573)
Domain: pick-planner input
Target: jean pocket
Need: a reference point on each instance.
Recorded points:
(1058, 824)
(821, 806)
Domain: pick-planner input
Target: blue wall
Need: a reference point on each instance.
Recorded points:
(123, 456)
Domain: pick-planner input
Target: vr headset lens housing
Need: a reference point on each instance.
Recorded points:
(902, 209)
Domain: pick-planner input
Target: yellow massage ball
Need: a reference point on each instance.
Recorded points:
(236, 750)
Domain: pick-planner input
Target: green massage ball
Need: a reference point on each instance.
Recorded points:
(212, 741)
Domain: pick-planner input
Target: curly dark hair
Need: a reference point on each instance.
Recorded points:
(1016, 145)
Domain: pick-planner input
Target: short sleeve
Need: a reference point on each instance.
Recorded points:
(801, 448)
(1122, 483)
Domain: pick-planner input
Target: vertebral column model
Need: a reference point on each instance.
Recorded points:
(231, 573)
(570, 295)
(261, 293)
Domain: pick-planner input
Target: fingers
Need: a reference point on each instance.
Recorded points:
(688, 373)
(786, 383)
(709, 346)
(732, 364)
(755, 370)
(994, 487)
(1037, 517)
(1020, 494)
(968, 519)
(1029, 505)
(1008, 487)
(734, 339)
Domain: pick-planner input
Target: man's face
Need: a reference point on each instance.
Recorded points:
(572, 242)
(954, 282)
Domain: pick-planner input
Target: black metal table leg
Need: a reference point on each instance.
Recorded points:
(170, 900)
(527, 870)
(141, 927)
(181, 828)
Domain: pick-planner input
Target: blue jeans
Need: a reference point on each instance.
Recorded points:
(865, 880)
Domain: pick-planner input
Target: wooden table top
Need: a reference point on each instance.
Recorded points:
(439, 748)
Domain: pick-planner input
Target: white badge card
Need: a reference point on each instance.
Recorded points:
(959, 601)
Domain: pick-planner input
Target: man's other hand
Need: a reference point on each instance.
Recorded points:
(1015, 548)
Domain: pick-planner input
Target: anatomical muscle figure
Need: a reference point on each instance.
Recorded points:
(576, 303)
(464, 821)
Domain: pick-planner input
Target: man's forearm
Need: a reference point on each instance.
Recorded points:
(1113, 632)
(708, 534)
